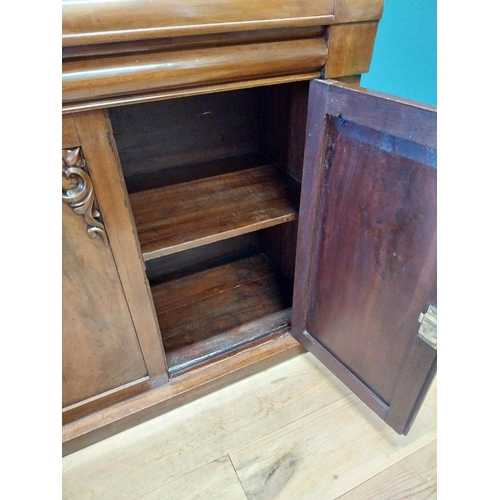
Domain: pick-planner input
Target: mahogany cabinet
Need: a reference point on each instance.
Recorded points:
(223, 208)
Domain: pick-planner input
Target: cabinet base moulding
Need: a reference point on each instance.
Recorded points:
(181, 390)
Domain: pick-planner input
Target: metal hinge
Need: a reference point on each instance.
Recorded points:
(428, 326)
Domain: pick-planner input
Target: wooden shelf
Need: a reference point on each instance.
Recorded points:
(222, 303)
(178, 217)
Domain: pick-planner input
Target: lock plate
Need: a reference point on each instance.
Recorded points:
(428, 326)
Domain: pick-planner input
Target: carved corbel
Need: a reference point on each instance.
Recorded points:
(78, 191)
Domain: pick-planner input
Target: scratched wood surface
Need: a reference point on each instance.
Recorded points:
(292, 431)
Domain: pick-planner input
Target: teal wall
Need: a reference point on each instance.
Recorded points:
(404, 58)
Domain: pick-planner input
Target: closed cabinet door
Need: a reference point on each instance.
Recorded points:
(365, 292)
(102, 359)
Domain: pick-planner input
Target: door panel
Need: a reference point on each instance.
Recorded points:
(102, 358)
(366, 263)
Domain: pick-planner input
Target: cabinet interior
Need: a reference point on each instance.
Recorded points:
(214, 187)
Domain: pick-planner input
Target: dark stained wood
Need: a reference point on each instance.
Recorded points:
(181, 390)
(378, 212)
(367, 250)
(138, 19)
(278, 243)
(180, 132)
(227, 343)
(90, 80)
(283, 125)
(200, 258)
(175, 218)
(415, 381)
(200, 305)
(186, 173)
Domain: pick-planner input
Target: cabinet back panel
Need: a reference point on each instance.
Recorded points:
(194, 260)
(176, 132)
(279, 244)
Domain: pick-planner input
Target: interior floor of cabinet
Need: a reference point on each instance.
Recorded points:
(216, 310)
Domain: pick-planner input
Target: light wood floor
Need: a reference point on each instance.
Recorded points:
(291, 432)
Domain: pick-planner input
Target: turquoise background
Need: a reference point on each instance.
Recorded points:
(404, 58)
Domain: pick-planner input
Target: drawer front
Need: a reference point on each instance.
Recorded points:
(101, 352)
(119, 21)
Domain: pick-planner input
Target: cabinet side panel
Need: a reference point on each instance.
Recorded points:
(100, 347)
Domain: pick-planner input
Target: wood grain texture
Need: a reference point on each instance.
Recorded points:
(191, 42)
(216, 480)
(352, 37)
(350, 49)
(187, 92)
(327, 453)
(139, 19)
(194, 435)
(413, 477)
(201, 305)
(216, 347)
(372, 265)
(193, 131)
(89, 80)
(412, 386)
(175, 218)
(213, 129)
(100, 347)
(216, 280)
(95, 132)
(200, 258)
(178, 392)
(278, 243)
(70, 137)
(283, 125)
(364, 293)
(255, 422)
(105, 399)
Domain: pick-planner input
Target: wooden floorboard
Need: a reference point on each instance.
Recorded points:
(324, 454)
(217, 479)
(292, 431)
(413, 477)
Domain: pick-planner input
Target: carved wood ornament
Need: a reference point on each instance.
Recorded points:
(78, 191)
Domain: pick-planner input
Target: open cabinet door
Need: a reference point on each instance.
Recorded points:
(366, 253)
